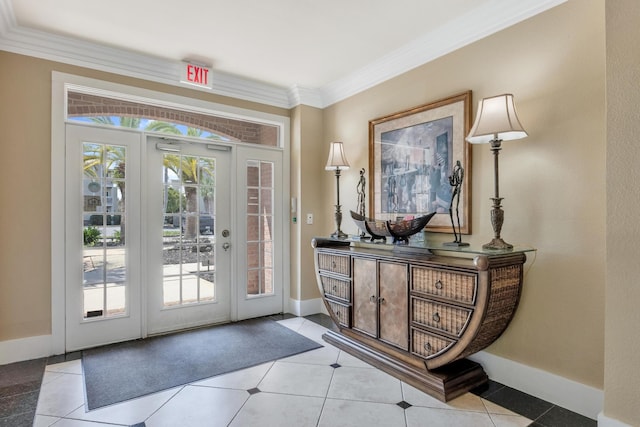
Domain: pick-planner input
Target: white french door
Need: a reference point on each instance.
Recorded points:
(164, 236)
(102, 236)
(189, 234)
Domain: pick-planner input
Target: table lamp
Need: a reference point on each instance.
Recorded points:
(496, 121)
(337, 162)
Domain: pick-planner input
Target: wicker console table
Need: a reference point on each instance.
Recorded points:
(415, 314)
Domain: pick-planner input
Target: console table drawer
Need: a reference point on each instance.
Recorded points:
(446, 318)
(340, 264)
(427, 345)
(336, 288)
(445, 284)
(341, 312)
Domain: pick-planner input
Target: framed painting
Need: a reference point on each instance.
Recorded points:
(412, 155)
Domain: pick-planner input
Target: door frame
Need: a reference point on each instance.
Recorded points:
(60, 83)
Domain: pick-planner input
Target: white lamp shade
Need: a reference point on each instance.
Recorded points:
(337, 159)
(496, 119)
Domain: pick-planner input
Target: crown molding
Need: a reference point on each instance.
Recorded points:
(39, 44)
(305, 95)
(474, 25)
(7, 18)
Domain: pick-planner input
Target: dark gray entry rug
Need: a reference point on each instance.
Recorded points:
(128, 370)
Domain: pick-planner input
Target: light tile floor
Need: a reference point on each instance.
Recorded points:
(302, 390)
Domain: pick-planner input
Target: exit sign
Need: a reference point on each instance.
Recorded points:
(197, 75)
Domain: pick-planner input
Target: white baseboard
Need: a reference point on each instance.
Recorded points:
(604, 421)
(306, 307)
(566, 393)
(25, 349)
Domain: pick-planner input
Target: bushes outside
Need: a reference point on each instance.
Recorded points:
(91, 235)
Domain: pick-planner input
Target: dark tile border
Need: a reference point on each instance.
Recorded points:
(323, 320)
(20, 384)
(19, 420)
(64, 357)
(558, 416)
(518, 402)
(543, 413)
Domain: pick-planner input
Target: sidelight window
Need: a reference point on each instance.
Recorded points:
(260, 239)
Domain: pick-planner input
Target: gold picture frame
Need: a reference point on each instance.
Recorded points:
(411, 158)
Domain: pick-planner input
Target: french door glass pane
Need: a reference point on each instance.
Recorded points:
(260, 188)
(104, 244)
(189, 229)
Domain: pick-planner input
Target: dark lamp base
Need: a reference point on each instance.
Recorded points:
(339, 235)
(497, 244)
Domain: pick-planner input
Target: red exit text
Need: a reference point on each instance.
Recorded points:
(196, 75)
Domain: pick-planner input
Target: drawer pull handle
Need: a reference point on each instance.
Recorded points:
(338, 314)
(436, 317)
(381, 300)
(439, 284)
(372, 299)
(427, 346)
(335, 288)
(333, 264)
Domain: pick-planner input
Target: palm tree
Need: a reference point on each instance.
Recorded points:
(113, 159)
(185, 167)
(164, 127)
(103, 162)
(192, 172)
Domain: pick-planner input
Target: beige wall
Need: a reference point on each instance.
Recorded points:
(312, 161)
(307, 151)
(622, 344)
(25, 208)
(553, 181)
(25, 200)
